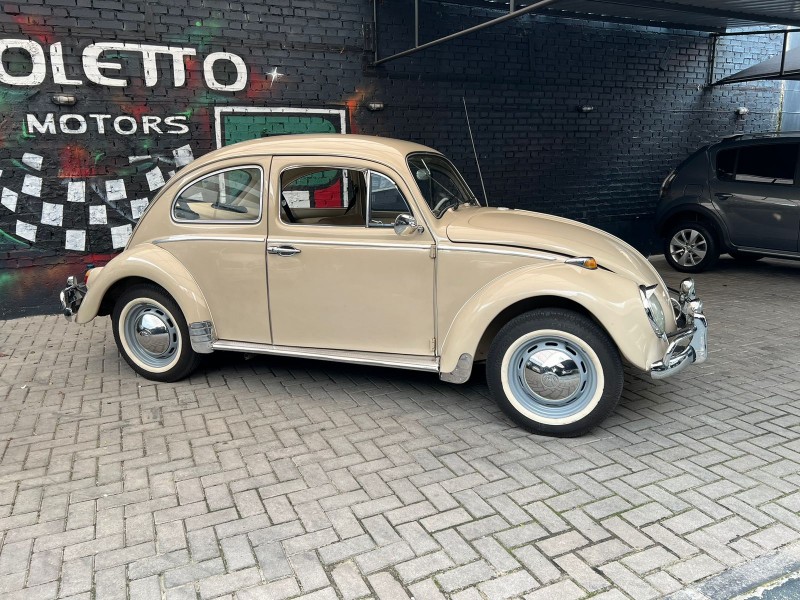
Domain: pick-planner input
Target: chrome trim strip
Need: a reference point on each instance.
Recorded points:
(250, 222)
(311, 242)
(383, 359)
(505, 252)
(208, 238)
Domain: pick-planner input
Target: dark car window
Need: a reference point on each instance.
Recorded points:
(726, 164)
(761, 163)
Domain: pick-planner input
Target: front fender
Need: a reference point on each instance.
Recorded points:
(155, 264)
(613, 301)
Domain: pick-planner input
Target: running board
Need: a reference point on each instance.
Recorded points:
(381, 359)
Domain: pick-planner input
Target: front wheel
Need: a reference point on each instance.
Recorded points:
(152, 335)
(555, 372)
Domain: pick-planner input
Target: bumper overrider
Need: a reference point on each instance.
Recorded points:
(71, 297)
(689, 344)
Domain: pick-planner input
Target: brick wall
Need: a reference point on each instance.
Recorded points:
(180, 74)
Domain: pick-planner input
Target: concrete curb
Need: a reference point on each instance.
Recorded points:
(744, 578)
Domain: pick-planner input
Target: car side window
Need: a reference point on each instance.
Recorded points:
(760, 163)
(323, 196)
(233, 195)
(726, 164)
(386, 201)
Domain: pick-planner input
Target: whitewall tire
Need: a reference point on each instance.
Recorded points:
(555, 372)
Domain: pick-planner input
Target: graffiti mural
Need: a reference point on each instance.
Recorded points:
(78, 167)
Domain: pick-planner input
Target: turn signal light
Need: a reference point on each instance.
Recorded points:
(587, 262)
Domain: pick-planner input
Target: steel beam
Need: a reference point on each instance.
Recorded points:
(720, 13)
(517, 13)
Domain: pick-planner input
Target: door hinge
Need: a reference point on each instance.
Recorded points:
(433, 344)
(433, 251)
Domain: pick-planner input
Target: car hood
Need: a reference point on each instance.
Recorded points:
(536, 231)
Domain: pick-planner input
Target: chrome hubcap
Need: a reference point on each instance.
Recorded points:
(552, 377)
(688, 247)
(152, 335)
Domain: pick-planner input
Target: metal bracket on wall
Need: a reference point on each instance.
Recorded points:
(784, 50)
(513, 13)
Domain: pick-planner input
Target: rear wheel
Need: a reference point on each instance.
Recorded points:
(691, 247)
(152, 335)
(555, 372)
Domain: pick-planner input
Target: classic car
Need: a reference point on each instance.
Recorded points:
(375, 251)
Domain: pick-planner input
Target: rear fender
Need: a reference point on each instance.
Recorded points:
(146, 261)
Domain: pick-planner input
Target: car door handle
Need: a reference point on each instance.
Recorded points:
(723, 195)
(283, 250)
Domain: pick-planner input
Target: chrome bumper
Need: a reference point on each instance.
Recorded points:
(688, 345)
(71, 297)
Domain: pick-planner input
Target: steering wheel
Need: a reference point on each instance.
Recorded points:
(443, 203)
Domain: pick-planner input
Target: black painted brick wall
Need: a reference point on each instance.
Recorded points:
(523, 83)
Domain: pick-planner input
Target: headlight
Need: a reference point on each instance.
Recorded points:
(655, 314)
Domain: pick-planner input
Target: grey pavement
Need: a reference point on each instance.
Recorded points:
(281, 478)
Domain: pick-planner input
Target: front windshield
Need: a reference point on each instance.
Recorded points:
(440, 183)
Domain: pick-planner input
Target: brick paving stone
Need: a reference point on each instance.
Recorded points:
(349, 581)
(464, 576)
(563, 590)
(509, 585)
(315, 478)
(387, 587)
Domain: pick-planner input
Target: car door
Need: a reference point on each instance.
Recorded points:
(756, 191)
(340, 278)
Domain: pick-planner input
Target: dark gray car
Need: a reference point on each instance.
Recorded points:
(740, 196)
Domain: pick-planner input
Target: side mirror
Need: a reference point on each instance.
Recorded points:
(405, 224)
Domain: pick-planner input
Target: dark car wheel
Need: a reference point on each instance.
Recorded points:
(555, 372)
(691, 247)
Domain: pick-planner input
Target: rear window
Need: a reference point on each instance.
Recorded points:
(760, 163)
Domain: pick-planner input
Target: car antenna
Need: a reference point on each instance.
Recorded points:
(475, 152)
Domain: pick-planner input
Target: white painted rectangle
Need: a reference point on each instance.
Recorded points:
(76, 191)
(75, 240)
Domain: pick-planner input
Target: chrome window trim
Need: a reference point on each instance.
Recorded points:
(425, 247)
(324, 168)
(503, 252)
(370, 172)
(367, 171)
(208, 238)
(220, 221)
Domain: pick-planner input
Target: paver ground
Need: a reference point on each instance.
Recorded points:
(269, 477)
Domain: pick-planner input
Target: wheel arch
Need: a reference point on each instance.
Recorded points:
(694, 213)
(144, 264)
(527, 305)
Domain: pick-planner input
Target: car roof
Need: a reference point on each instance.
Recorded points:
(361, 146)
(766, 135)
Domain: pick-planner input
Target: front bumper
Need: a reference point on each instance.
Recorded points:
(71, 297)
(688, 345)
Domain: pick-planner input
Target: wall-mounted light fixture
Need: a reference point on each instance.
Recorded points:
(585, 108)
(375, 106)
(64, 99)
(742, 111)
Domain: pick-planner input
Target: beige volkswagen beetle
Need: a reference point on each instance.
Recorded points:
(375, 251)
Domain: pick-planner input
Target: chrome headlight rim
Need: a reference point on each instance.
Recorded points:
(653, 310)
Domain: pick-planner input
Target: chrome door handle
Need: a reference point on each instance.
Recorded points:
(283, 250)
(722, 195)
